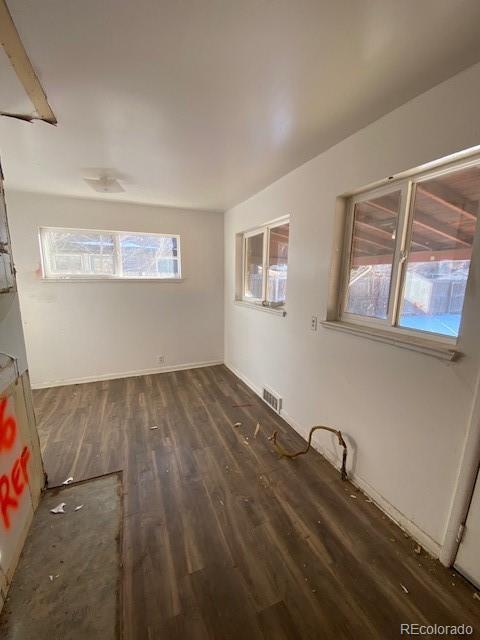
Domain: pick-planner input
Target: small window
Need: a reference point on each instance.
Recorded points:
(265, 264)
(77, 253)
(409, 247)
(375, 222)
(254, 267)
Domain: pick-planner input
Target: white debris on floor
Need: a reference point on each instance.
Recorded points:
(59, 508)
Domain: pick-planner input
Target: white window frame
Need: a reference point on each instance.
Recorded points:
(265, 230)
(119, 275)
(402, 248)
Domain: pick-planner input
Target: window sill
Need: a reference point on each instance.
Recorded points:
(414, 343)
(69, 280)
(281, 312)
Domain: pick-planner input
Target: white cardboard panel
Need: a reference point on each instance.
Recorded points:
(16, 507)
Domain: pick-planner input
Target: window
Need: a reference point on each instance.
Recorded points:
(372, 255)
(77, 253)
(265, 264)
(409, 250)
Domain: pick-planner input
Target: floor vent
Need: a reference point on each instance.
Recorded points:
(272, 399)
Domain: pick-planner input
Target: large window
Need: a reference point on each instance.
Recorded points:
(265, 264)
(409, 247)
(78, 253)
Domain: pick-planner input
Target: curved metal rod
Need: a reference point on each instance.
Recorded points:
(286, 454)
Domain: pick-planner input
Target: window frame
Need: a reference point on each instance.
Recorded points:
(265, 230)
(408, 186)
(116, 277)
(246, 236)
(405, 194)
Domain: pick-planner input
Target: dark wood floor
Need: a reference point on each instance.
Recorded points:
(224, 540)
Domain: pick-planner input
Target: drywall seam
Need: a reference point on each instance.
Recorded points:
(125, 374)
(384, 505)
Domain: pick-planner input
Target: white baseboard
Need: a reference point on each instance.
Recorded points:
(390, 510)
(430, 545)
(366, 488)
(244, 379)
(125, 374)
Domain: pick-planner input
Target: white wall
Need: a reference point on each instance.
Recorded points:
(406, 413)
(77, 331)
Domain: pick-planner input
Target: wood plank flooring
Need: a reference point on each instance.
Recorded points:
(221, 538)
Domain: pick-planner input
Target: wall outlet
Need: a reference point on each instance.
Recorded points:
(161, 359)
(314, 323)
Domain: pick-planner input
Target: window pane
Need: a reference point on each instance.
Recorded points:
(444, 220)
(371, 257)
(278, 264)
(72, 253)
(78, 253)
(149, 256)
(254, 267)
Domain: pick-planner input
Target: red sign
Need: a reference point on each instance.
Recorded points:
(14, 479)
(8, 427)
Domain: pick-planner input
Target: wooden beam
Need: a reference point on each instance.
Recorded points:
(373, 229)
(416, 256)
(385, 234)
(285, 236)
(373, 243)
(428, 223)
(440, 199)
(15, 50)
(380, 207)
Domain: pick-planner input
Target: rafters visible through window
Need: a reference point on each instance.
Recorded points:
(410, 250)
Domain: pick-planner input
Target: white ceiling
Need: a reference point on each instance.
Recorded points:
(201, 103)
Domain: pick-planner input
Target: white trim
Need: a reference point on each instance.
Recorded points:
(400, 519)
(125, 374)
(276, 222)
(122, 279)
(246, 237)
(278, 311)
(462, 158)
(420, 536)
(246, 380)
(415, 342)
(119, 231)
(403, 188)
